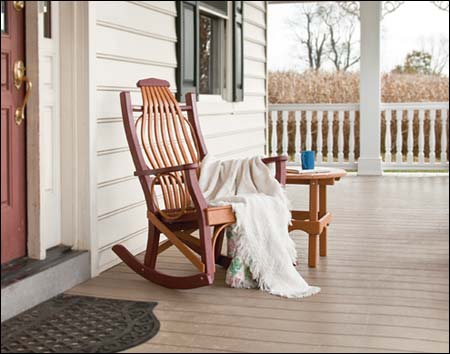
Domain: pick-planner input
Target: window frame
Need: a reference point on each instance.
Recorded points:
(186, 82)
(217, 72)
(210, 10)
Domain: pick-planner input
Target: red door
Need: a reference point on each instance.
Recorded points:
(13, 166)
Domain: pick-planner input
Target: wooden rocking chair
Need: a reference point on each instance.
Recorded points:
(167, 146)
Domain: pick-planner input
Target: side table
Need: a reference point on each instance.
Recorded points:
(315, 221)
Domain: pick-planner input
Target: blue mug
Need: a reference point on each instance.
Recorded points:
(308, 159)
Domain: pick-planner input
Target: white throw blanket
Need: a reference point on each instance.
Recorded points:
(263, 216)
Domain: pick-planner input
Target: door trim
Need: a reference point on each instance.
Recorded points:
(78, 128)
(77, 132)
(43, 118)
(35, 244)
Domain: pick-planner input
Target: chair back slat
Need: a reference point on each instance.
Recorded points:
(168, 132)
(168, 139)
(174, 153)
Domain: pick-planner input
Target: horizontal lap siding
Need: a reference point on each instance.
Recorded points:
(137, 39)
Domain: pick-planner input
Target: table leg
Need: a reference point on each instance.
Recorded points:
(322, 212)
(313, 216)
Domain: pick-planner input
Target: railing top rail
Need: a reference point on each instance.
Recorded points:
(355, 106)
(415, 105)
(314, 107)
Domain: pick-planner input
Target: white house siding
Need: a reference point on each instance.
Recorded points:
(137, 39)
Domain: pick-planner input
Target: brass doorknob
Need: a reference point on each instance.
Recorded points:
(19, 5)
(19, 79)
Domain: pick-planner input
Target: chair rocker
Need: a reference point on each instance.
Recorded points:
(167, 147)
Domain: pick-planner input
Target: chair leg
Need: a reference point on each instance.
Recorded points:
(207, 255)
(220, 259)
(219, 245)
(148, 271)
(151, 253)
(168, 281)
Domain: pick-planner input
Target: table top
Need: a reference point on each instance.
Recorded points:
(318, 173)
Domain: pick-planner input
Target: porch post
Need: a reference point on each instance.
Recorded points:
(370, 163)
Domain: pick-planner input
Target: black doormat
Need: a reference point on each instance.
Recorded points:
(80, 324)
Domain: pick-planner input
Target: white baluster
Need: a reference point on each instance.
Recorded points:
(410, 157)
(432, 136)
(319, 137)
(298, 136)
(399, 116)
(274, 140)
(330, 136)
(421, 136)
(351, 142)
(308, 130)
(285, 117)
(341, 137)
(388, 145)
(444, 137)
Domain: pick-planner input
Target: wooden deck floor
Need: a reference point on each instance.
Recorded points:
(384, 283)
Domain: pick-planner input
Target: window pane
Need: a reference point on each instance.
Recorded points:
(238, 55)
(4, 17)
(206, 36)
(189, 45)
(47, 19)
(211, 52)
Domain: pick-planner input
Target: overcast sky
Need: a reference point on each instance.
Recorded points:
(414, 25)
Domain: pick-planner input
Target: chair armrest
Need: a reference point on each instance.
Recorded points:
(167, 170)
(280, 167)
(273, 159)
(185, 108)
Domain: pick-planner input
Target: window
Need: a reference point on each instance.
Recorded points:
(47, 7)
(211, 53)
(201, 48)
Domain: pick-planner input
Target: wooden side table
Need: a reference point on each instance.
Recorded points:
(315, 221)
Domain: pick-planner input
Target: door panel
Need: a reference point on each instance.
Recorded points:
(13, 160)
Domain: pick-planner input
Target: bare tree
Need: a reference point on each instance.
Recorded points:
(439, 51)
(343, 47)
(328, 32)
(308, 30)
(343, 51)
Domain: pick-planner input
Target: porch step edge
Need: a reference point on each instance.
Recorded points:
(31, 291)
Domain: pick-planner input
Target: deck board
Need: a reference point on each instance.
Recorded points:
(384, 283)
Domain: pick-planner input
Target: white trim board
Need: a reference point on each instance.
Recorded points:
(50, 118)
(42, 120)
(78, 171)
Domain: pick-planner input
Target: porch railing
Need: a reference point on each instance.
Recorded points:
(414, 135)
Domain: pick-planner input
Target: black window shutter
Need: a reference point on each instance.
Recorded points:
(187, 48)
(238, 46)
